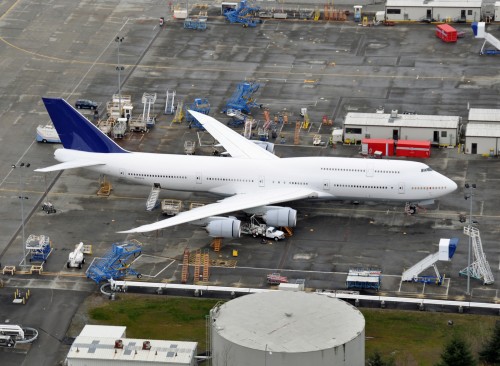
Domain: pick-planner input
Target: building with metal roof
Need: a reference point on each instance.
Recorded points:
(482, 139)
(430, 10)
(285, 328)
(90, 349)
(438, 130)
(482, 115)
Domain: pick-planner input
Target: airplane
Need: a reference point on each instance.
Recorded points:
(252, 179)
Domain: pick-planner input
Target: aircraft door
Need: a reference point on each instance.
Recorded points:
(262, 181)
(326, 185)
(199, 178)
(401, 188)
(369, 170)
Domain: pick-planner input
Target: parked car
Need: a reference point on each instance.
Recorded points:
(85, 104)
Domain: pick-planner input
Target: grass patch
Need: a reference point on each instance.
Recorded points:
(410, 337)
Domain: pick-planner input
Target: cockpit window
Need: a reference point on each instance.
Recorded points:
(426, 170)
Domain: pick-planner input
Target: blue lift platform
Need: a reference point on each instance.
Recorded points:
(39, 248)
(195, 23)
(199, 105)
(116, 263)
(241, 99)
(364, 279)
(243, 14)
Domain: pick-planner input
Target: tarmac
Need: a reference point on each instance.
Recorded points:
(61, 49)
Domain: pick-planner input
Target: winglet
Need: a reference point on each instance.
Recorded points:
(77, 132)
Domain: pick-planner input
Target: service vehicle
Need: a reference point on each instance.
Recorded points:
(85, 104)
(256, 229)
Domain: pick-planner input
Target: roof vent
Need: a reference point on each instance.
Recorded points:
(394, 113)
(119, 344)
(146, 345)
(380, 109)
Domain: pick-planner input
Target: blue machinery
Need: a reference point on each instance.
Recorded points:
(242, 98)
(39, 248)
(199, 105)
(195, 23)
(243, 14)
(116, 263)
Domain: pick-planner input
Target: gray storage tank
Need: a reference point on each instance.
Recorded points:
(281, 328)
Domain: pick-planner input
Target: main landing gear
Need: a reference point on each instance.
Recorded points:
(410, 208)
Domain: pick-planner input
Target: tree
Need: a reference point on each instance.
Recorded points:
(457, 353)
(376, 360)
(490, 354)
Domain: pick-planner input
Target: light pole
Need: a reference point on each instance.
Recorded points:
(469, 195)
(22, 197)
(119, 68)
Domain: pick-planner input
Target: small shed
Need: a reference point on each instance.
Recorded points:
(482, 138)
(438, 130)
(484, 115)
(464, 11)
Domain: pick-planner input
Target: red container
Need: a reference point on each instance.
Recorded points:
(385, 146)
(413, 148)
(446, 32)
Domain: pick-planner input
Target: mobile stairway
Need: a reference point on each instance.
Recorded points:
(241, 99)
(170, 102)
(200, 105)
(152, 201)
(479, 29)
(243, 15)
(479, 268)
(447, 248)
(116, 263)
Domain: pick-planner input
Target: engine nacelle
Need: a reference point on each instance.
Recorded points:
(224, 227)
(280, 216)
(268, 146)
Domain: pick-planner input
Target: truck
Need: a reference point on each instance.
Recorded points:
(255, 229)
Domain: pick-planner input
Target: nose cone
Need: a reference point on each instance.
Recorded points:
(451, 186)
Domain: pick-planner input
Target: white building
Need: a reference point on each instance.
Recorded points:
(438, 130)
(483, 132)
(439, 10)
(106, 345)
(285, 328)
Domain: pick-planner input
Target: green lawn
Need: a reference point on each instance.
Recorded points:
(410, 337)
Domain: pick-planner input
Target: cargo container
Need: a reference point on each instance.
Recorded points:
(446, 32)
(413, 148)
(385, 146)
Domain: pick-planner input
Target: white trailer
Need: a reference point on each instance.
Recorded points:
(76, 258)
(170, 207)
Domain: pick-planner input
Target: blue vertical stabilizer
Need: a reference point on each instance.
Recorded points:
(77, 132)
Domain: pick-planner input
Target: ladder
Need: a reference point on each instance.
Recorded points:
(297, 133)
(206, 265)
(185, 266)
(197, 264)
(216, 244)
(152, 201)
(169, 102)
(479, 268)
(179, 113)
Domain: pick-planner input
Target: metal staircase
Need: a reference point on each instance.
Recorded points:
(479, 268)
(446, 251)
(152, 201)
(116, 263)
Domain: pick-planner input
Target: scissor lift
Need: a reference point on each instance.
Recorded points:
(116, 263)
(38, 247)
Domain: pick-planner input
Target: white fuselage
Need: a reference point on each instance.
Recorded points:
(332, 178)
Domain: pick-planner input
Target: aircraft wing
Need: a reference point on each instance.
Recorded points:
(237, 202)
(70, 165)
(234, 143)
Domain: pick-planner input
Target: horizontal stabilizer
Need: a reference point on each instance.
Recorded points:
(69, 165)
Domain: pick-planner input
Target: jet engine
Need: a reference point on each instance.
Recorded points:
(268, 146)
(280, 216)
(223, 227)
